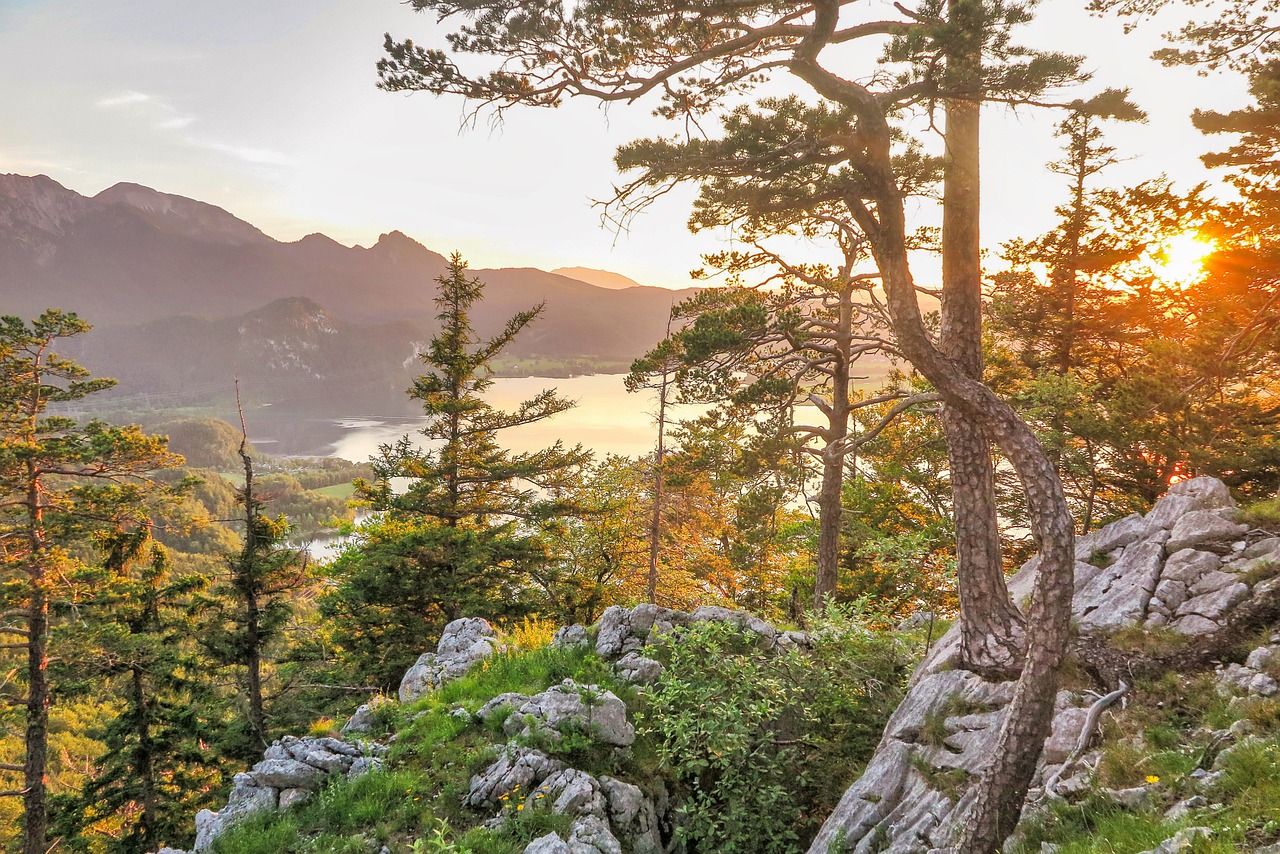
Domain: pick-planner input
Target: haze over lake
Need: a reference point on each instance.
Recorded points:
(607, 419)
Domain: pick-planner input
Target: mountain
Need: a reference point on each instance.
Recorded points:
(599, 278)
(133, 255)
(184, 295)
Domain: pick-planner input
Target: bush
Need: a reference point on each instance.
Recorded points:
(761, 744)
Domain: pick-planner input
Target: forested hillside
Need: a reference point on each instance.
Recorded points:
(957, 564)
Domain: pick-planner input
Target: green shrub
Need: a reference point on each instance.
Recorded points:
(762, 744)
(1262, 514)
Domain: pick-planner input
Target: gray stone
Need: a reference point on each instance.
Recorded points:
(247, 798)
(633, 816)
(1067, 725)
(1260, 657)
(1270, 547)
(549, 844)
(568, 637)
(1116, 535)
(1204, 528)
(741, 619)
(1214, 605)
(364, 765)
(291, 797)
(591, 835)
(1182, 808)
(1187, 565)
(1118, 595)
(362, 721)
(1136, 798)
(515, 769)
(287, 774)
(613, 635)
(1183, 840)
(464, 643)
(637, 669)
(569, 706)
(500, 703)
(569, 792)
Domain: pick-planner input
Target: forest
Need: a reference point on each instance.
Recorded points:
(756, 594)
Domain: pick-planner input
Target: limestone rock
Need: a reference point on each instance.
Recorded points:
(515, 769)
(464, 643)
(287, 774)
(1204, 528)
(501, 703)
(569, 706)
(637, 669)
(247, 798)
(569, 792)
(632, 816)
(568, 637)
(1119, 594)
(1183, 840)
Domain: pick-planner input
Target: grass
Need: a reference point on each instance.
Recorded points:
(1262, 514)
(416, 803)
(337, 490)
(1165, 734)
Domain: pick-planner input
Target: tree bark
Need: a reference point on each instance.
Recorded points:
(35, 764)
(659, 460)
(830, 506)
(991, 628)
(997, 799)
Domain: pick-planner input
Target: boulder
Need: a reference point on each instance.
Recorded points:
(569, 792)
(287, 774)
(637, 669)
(568, 637)
(464, 643)
(1183, 840)
(1204, 528)
(247, 798)
(569, 707)
(516, 769)
(633, 816)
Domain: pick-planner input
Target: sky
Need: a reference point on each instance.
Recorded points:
(270, 110)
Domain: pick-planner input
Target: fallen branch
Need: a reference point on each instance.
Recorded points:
(1086, 735)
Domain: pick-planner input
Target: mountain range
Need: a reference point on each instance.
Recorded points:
(184, 296)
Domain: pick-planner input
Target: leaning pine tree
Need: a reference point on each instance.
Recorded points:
(462, 537)
(699, 57)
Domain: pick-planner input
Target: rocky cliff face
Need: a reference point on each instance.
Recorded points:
(1186, 567)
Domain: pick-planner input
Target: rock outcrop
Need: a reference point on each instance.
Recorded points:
(291, 770)
(463, 644)
(1183, 567)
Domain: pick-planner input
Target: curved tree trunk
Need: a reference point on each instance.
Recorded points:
(998, 798)
(991, 628)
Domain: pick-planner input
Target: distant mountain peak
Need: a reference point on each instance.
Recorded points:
(179, 214)
(599, 278)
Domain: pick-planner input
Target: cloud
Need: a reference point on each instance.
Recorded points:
(124, 99)
(249, 154)
(176, 123)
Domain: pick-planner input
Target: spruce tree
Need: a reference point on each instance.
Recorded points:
(460, 515)
(159, 761)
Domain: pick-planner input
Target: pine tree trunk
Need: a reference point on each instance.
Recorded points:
(144, 762)
(999, 794)
(991, 628)
(35, 764)
(659, 459)
(830, 506)
(252, 615)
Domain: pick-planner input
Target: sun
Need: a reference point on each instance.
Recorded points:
(1178, 261)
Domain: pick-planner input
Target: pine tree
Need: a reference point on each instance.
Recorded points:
(60, 482)
(251, 606)
(462, 535)
(159, 761)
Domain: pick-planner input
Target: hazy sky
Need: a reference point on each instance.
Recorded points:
(268, 108)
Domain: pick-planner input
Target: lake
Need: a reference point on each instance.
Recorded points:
(607, 419)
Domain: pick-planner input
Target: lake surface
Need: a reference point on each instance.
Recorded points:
(607, 419)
